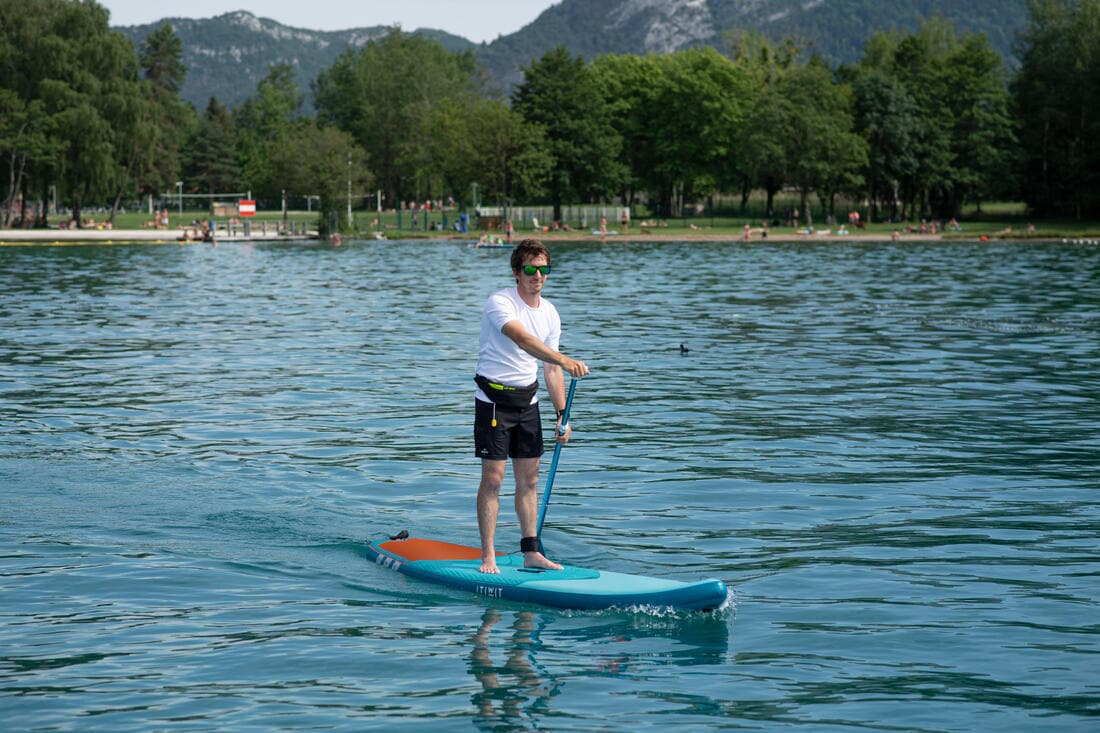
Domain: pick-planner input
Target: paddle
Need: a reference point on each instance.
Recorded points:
(554, 461)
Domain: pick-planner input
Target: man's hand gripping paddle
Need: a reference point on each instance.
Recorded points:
(554, 462)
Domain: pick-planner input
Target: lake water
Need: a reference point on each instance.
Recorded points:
(890, 452)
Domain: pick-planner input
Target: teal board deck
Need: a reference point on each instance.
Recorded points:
(571, 587)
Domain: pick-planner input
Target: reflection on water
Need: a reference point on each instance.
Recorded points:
(512, 692)
(524, 659)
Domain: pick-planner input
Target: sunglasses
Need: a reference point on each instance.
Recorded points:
(532, 269)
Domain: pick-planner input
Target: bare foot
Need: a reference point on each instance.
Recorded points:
(489, 566)
(538, 560)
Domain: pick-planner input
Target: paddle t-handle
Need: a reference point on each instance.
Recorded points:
(554, 462)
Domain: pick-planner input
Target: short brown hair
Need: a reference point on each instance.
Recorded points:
(528, 248)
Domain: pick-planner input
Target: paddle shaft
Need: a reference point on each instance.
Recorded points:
(554, 462)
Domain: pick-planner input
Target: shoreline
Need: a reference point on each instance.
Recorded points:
(146, 236)
(133, 236)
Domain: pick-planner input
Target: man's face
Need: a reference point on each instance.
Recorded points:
(539, 270)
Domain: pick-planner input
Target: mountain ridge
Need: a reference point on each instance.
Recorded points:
(227, 55)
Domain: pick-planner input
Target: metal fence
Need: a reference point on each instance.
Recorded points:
(540, 217)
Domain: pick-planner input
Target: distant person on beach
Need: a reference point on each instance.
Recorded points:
(519, 328)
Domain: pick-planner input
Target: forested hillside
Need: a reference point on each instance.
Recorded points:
(227, 56)
(836, 29)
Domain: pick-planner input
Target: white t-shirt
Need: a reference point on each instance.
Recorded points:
(498, 357)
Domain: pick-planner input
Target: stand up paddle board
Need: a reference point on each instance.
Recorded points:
(571, 587)
(458, 566)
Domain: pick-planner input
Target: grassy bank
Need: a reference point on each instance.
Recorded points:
(996, 220)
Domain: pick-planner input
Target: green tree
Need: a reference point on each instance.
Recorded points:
(266, 117)
(211, 164)
(915, 64)
(312, 160)
(154, 122)
(963, 128)
(765, 160)
(88, 78)
(982, 135)
(69, 82)
(627, 93)
(1057, 95)
(887, 118)
(381, 93)
(561, 96)
(821, 152)
(485, 142)
(761, 161)
(26, 142)
(162, 59)
(701, 103)
(135, 135)
(166, 120)
(23, 144)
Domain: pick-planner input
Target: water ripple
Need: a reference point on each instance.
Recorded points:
(888, 451)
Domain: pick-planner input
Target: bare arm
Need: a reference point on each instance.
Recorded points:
(555, 385)
(552, 365)
(526, 341)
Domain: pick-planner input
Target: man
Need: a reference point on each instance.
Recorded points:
(519, 328)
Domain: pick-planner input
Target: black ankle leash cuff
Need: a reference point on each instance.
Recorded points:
(529, 544)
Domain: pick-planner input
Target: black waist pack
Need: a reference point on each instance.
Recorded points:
(507, 396)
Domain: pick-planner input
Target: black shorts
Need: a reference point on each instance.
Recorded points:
(518, 432)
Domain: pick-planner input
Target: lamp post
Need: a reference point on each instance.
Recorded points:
(179, 196)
